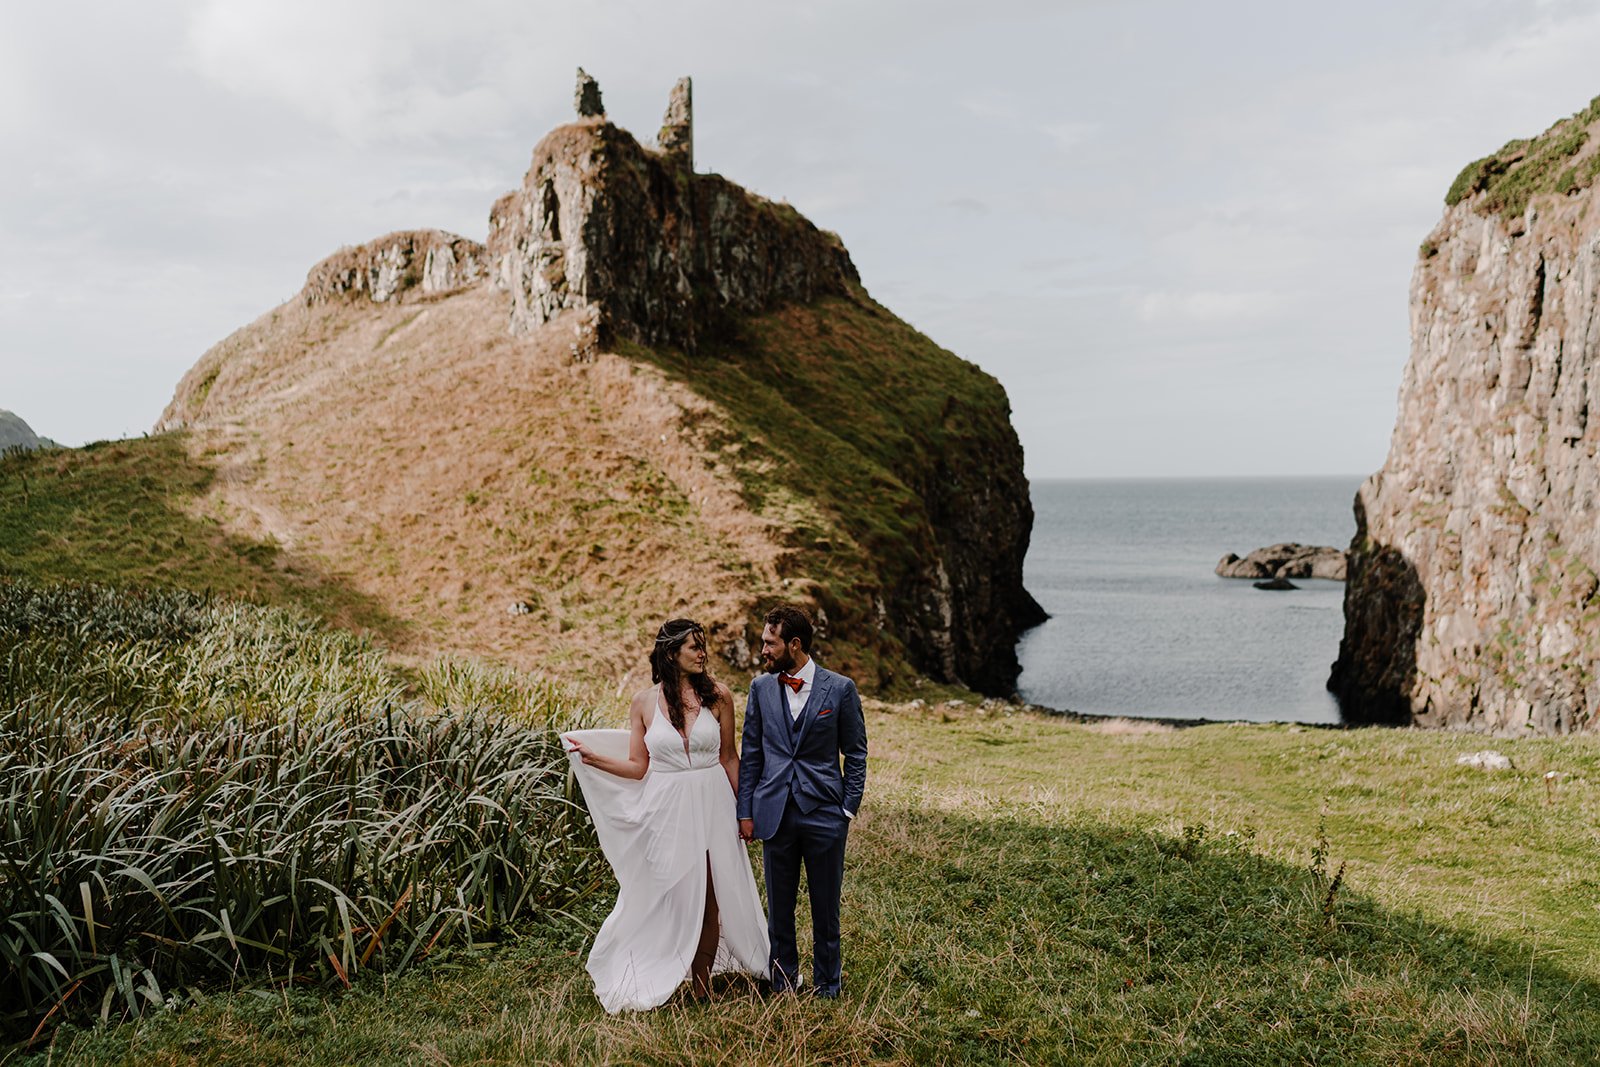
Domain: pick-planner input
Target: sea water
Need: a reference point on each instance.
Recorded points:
(1141, 626)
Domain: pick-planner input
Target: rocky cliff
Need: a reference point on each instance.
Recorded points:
(1472, 599)
(649, 392)
(648, 249)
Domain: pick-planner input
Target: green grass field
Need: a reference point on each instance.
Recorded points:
(1024, 889)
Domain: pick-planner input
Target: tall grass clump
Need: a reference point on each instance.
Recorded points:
(465, 684)
(169, 654)
(194, 792)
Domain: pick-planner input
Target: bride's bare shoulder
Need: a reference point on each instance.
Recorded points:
(643, 702)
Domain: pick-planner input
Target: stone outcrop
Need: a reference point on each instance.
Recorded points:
(1287, 560)
(586, 97)
(407, 263)
(16, 433)
(643, 249)
(676, 137)
(1472, 600)
(888, 493)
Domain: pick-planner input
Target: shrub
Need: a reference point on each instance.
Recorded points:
(195, 792)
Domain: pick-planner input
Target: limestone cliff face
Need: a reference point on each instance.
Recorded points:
(1472, 599)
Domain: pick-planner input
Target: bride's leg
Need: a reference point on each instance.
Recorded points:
(705, 953)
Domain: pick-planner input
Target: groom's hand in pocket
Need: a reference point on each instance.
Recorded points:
(747, 829)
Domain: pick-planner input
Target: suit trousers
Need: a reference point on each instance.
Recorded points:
(816, 840)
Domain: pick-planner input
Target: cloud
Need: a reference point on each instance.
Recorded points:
(367, 70)
(15, 98)
(1011, 110)
(993, 105)
(1205, 306)
(1070, 134)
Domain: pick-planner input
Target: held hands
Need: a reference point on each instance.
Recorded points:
(747, 829)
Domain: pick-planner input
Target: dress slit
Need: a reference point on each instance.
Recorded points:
(706, 950)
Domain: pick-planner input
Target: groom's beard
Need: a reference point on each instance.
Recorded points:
(783, 664)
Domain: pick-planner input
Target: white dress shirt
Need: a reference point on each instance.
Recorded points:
(798, 698)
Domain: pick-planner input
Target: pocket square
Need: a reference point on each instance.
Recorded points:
(824, 712)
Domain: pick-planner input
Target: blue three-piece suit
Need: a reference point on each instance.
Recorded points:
(791, 784)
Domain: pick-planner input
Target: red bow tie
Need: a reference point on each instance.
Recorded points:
(791, 681)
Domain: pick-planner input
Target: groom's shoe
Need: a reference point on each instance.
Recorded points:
(778, 984)
(825, 992)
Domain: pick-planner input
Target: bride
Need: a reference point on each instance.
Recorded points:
(661, 795)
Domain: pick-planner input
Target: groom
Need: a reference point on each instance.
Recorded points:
(800, 719)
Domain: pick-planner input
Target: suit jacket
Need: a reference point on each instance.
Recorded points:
(779, 759)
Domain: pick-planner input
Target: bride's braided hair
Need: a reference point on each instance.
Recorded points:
(672, 636)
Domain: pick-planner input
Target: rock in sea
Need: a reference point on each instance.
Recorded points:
(1286, 560)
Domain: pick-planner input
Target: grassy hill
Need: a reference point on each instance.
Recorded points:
(448, 471)
(649, 393)
(135, 512)
(442, 470)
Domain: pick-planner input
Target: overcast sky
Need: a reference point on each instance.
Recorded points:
(1180, 233)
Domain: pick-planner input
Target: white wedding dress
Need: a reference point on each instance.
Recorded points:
(657, 833)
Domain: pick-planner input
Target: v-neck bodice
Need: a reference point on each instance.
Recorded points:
(671, 751)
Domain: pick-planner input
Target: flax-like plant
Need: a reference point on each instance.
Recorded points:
(464, 683)
(177, 655)
(193, 792)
